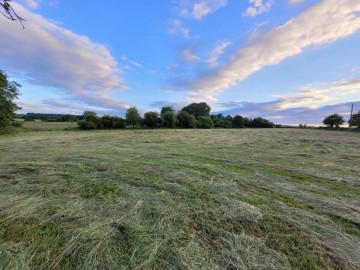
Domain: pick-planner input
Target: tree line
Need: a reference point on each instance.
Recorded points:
(194, 115)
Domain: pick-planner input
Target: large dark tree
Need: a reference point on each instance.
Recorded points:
(185, 120)
(9, 91)
(7, 10)
(238, 121)
(198, 109)
(151, 119)
(334, 120)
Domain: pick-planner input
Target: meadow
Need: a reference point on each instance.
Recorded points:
(179, 199)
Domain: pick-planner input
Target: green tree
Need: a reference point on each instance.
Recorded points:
(185, 120)
(334, 120)
(166, 109)
(151, 119)
(9, 91)
(118, 122)
(133, 117)
(206, 122)
(238, 121)
(197, 109)
(169, 119)
(89, 121)
(262, 123)
(355, 120)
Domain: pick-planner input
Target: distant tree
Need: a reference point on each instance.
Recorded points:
(89, 121)
(248, 122)
(9, 91)
(185, 120)
(166, 109)
(355, 120)
(197, 109)
(206, 122)
(262, 123)
(169, 119)
(107, 121)
(118, 122)
(334, 120)
(8, 12)
(151, 119)
(133, 117)
(238, 121)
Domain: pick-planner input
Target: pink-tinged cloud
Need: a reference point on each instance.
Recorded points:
(325, 22)
(49, 55)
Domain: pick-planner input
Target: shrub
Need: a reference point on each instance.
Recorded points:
(262, 123)
(151, 119)
(206, 122)
(17, 123)
(169, 119)
(118, 122)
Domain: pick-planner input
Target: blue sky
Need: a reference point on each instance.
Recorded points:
(291, 61)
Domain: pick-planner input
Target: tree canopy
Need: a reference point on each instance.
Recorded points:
(133, 117)
(334, 120)
(9, 91)
(198, 109)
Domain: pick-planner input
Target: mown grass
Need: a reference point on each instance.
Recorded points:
(179, 199)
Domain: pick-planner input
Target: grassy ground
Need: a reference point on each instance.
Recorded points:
(180, 199)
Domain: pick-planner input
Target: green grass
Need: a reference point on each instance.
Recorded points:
(179, 199)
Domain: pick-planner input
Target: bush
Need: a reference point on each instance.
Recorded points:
(262, 123)
(90, 121)
(17, 123)
(118, 122)
(206, 122)
(107, 121)
(169, 119)
(151, 119)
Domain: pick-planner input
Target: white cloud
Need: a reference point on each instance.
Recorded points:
(206, 7)
(176, 27)
(188, 55)
(198, 9)
(50, 55)
(216, 53)
(294, 2)
(258, 7)
(325, 22)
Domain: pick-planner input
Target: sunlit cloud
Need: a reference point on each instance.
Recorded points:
(216, 53)
(49, 55)
(258, 7)
(198, 9)
(325, 22)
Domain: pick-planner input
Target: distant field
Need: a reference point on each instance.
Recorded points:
(180, 199)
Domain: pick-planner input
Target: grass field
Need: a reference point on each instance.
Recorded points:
(180, 199)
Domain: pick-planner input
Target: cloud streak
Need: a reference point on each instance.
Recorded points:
(325, 22)
(50, 55)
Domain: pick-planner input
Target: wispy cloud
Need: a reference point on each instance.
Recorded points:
(206, 7)
(216, 53)
(198, 9)
(188, 55)
(258, 7)
(175, 26)
(294, 2)
(50, 55)
(325, 22)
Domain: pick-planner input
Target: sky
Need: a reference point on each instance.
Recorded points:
(290, 61)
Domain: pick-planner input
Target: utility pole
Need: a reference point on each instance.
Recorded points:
(351, 114)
